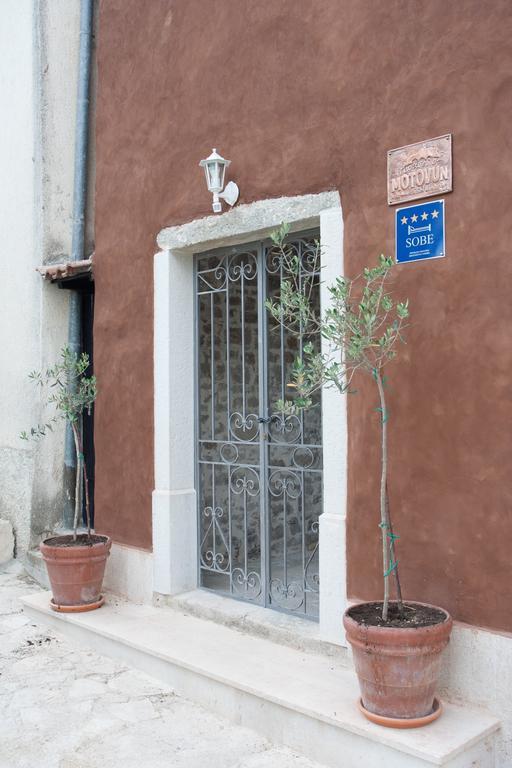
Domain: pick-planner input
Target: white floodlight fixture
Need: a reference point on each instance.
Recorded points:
(215, 171)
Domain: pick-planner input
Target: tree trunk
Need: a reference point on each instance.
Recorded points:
(87, 503)
(393, 555)
(384, 523)
(86, 480)
(78, 495)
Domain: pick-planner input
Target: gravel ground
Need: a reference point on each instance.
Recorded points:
(65, 707)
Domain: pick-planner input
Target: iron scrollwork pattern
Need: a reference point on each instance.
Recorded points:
(214, 550)
(295, 450)
(258, 471)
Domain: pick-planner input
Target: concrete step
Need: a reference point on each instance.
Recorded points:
(302, 700)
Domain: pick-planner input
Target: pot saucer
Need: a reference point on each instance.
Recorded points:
(402, 722)
(77, 608)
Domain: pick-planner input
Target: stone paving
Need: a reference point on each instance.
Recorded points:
(65, 707)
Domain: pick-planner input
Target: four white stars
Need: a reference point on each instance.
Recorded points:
(424, 217)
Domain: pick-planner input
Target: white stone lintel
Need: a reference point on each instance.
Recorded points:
(252, 221)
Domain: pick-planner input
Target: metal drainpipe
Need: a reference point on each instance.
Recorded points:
(78, 234)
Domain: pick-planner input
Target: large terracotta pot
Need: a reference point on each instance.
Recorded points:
(398, 667)
(76, 571)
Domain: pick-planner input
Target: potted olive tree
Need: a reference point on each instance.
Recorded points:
(397, 645)
(75, 562)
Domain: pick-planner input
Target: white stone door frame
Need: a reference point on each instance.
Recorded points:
(174, 499)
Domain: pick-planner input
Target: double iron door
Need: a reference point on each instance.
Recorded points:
(258, 469)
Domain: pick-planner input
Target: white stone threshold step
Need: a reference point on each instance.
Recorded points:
(301, 700)
(282, 628)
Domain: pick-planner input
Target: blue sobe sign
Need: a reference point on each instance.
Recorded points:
(419, 232)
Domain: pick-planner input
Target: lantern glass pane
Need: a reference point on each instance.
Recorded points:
(215, 176)
(222, 173)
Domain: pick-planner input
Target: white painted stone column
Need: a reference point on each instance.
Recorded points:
(333, 558)
(174, 498)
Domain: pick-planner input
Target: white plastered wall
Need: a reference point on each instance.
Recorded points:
(129, 573)
(38, 79)
(55, 76)
(19, 288)
(174, 498)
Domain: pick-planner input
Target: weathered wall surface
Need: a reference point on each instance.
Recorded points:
(19, 291)
(56, 41)
(38, 59)
(307, 96)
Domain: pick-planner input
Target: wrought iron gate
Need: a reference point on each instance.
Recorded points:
(258, 471)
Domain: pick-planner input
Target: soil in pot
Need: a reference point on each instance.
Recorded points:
(76, 569)
(82, 539)
(413, 615)
(398, 661)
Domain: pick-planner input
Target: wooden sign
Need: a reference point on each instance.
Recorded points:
(420, 170)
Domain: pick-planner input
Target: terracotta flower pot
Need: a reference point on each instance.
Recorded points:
(76, 570)
(398, 667)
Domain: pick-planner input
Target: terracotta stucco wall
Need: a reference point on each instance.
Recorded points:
(303, 97)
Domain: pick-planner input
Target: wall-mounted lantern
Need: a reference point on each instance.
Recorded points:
(215, 171)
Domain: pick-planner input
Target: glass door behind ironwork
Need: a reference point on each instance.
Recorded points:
(259, 470)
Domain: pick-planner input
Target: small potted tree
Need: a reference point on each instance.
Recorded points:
(75, 562)
(397, 645)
